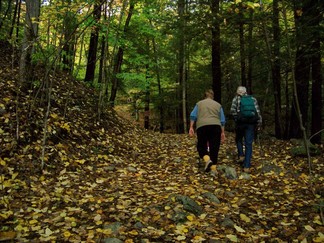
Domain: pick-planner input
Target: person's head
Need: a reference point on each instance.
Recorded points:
(209, 94)
(241, 90)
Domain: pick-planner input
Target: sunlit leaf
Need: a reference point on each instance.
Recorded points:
(232, 238)
(239, 229)
(309, 228)
(245, 218)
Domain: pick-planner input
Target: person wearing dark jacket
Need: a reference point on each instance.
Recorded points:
(244, 129)
(209, 118)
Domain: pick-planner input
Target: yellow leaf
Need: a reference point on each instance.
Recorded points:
(80, 161)
(320, 238)
(10, 235)
(2, 162)
(245, 218)
(33, 221)
(285, 223)
(232, 238)
(296, 213)
(107, 231)
(97, 217)
(239, 229)
(53, 115)
(309, 228)
(99, 222)
(6, 215)
(197, 239)
(6, 184)
(181, 237)
(67, 234)
(48, 232)
(133, 232)
(190, 217)
(100, 180)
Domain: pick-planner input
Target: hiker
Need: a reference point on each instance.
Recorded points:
(246, 113)
(209, 118)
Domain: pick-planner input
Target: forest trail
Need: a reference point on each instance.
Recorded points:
(108, 180)
(159, 193)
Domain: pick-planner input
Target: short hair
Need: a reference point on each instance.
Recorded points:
(241, 90)
(209, 93)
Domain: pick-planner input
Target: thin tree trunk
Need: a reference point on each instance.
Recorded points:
(302, 70)
(242, 48)
(157, 72)
(181, 67)
(317, 97)
(295, 94)
(147, 92)
(215, 46)
(276, 67)
(119, 58)
(93, 46)
(69, 27)
(250, 54)
(14, 19)
(30, 36)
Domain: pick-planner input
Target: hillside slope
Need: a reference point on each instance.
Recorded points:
(106, 180)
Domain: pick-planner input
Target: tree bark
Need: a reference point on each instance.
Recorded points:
(93, 46)
(181, 110)
(69, 41)
(242, 48)
(28, 43)
(302, 68)
(215, 45)
(316, 11)
(119, 58)
(276, 67)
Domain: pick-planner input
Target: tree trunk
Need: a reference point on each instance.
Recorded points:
(316, 11)
(181, 110)
(215, 45)
(119, 58)
(93, 46)
(68, 53)
(30, 36)
(276, 78)
(14, 19)
(242, 48)
(250, 53)
(302, 68)
(157, 72)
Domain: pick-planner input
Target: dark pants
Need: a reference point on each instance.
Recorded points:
(245, 131)
(212, 135)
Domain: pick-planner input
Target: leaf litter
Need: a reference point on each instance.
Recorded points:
(108, 179)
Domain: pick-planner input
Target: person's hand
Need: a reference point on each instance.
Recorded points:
(222, 137)
(258, 126)
(191, 131)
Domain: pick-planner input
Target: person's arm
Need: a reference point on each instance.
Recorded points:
(258, 111)
(193, 119)
(223, 121)
(234, 108)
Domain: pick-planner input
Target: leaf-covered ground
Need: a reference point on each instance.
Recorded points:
(106, 180)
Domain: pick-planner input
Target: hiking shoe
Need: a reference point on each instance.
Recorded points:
(208, 163)
(246, 170)
(240, 159)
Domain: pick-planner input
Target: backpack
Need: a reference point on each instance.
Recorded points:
(247, 112)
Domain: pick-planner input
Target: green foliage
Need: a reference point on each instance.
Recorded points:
(300, 150)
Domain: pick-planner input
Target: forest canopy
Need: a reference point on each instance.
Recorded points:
(159, 56)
